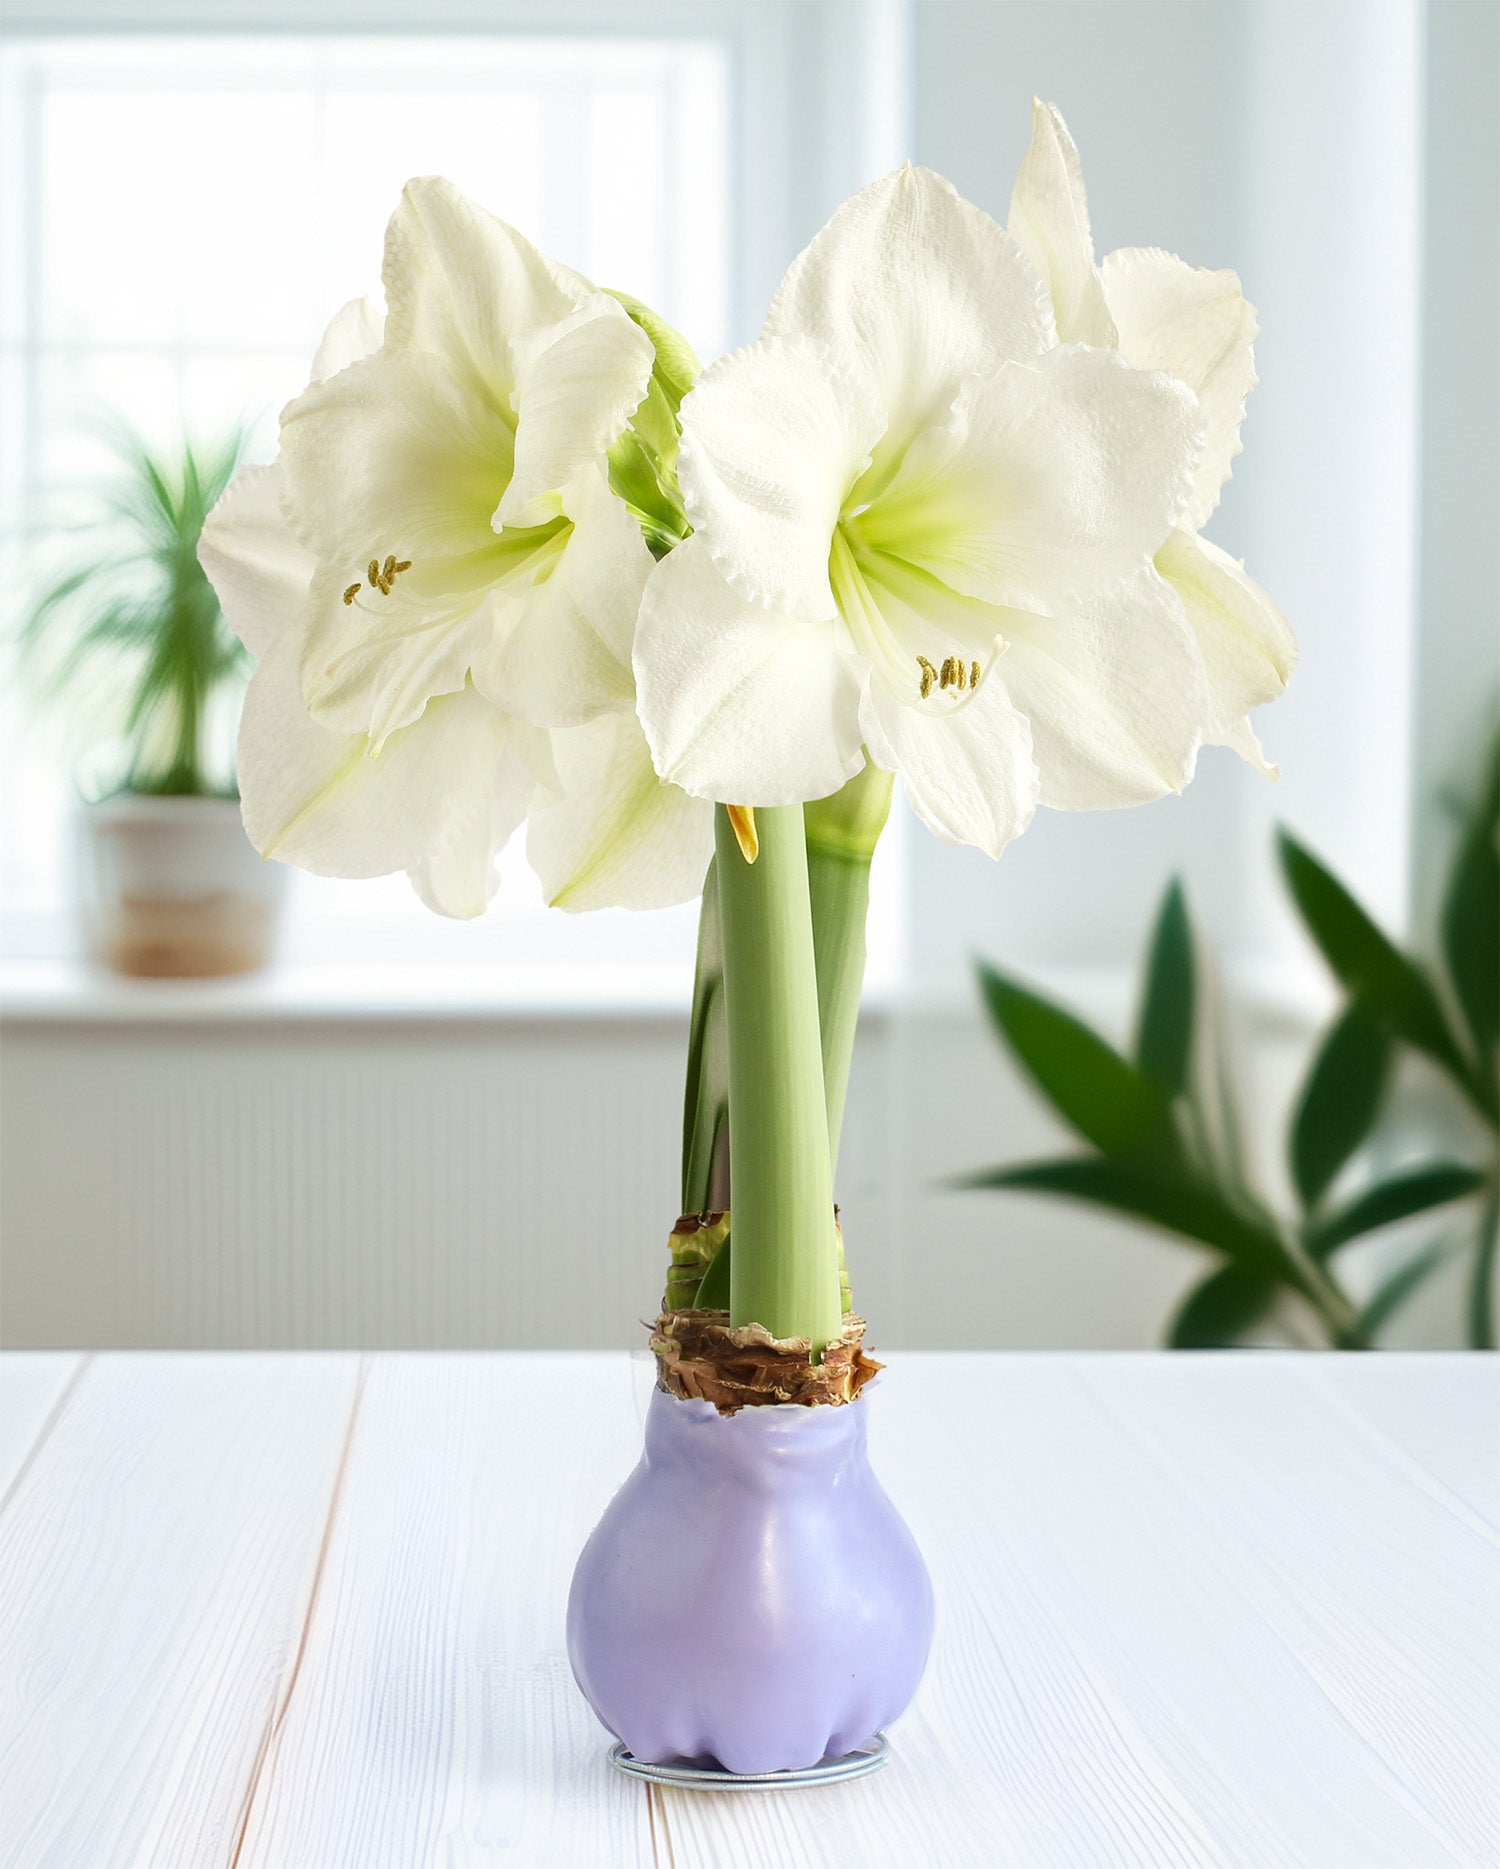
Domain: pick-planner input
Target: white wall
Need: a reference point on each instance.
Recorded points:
(495, 1180)
(1283, 141)
(1459, 672)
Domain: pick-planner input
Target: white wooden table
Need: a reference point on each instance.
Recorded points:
(302, 1610)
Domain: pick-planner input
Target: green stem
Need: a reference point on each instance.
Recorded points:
(784, 1266)
(1482, 1280)
(842, 832)
(839, 888)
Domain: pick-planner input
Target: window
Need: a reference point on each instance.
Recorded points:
(182, 217)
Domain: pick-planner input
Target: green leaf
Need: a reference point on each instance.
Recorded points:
(1164, 1041)
(713, 1291)
(1471, 918)
(1106, 1098)
(706, 1090)
(1219, 1311)
(134, 638)
(1389, 1296)
(1396, 1199)
(1340, 1099)
(1178, 1204)
(1370, 967)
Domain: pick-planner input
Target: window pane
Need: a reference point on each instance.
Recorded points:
(180, 219)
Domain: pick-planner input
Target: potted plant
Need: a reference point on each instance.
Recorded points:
(1165, 1132)
(521, 560)
(133, 644)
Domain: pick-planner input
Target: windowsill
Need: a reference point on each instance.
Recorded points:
(72, 992)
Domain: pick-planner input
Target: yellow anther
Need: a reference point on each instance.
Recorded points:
(382, 576)
(955, 673)
(351, 593)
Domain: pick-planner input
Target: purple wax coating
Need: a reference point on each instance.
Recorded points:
(751, 1595)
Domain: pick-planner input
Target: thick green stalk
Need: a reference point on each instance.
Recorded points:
(842, 832)
(784, 1265)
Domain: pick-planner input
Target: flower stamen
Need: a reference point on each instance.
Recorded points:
(955, 674)
(380, 577)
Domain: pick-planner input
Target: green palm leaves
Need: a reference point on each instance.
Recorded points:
(134, 636)
(1161, 1126)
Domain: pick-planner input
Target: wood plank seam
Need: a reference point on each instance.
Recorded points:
(661, 1834)
(54, 1415)
(265, 1753)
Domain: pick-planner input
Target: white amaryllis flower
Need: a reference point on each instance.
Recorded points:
(442, 796)
(1163, 314)
(924, 529)
(441, 793)
(452, 487)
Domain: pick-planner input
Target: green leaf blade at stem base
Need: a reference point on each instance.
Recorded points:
(1106, 1098)
(706, 1089)
(1340, 1099)
(713, 1291)
(1164, 1038)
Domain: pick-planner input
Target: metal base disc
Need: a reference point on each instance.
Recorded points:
(686, 1776)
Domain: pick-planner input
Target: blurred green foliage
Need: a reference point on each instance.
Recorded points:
(1164, 1139)
(130, 643)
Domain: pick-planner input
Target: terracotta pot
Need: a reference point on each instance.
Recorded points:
(751, 1596)
(172, 888)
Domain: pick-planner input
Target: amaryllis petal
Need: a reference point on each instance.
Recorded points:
(618, 837)
(1247, 645)
(259, 570)
(465, 286)
(1198, 326)
(558, 646)
(572, 402)
(354, 332)
(1049, 216)
(446, 792)
(740, 703)
(457, 876)
(1048, 483)
(389, 456)
(1115, 693)
(967, 768)
(915, 288)
(773, 438)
